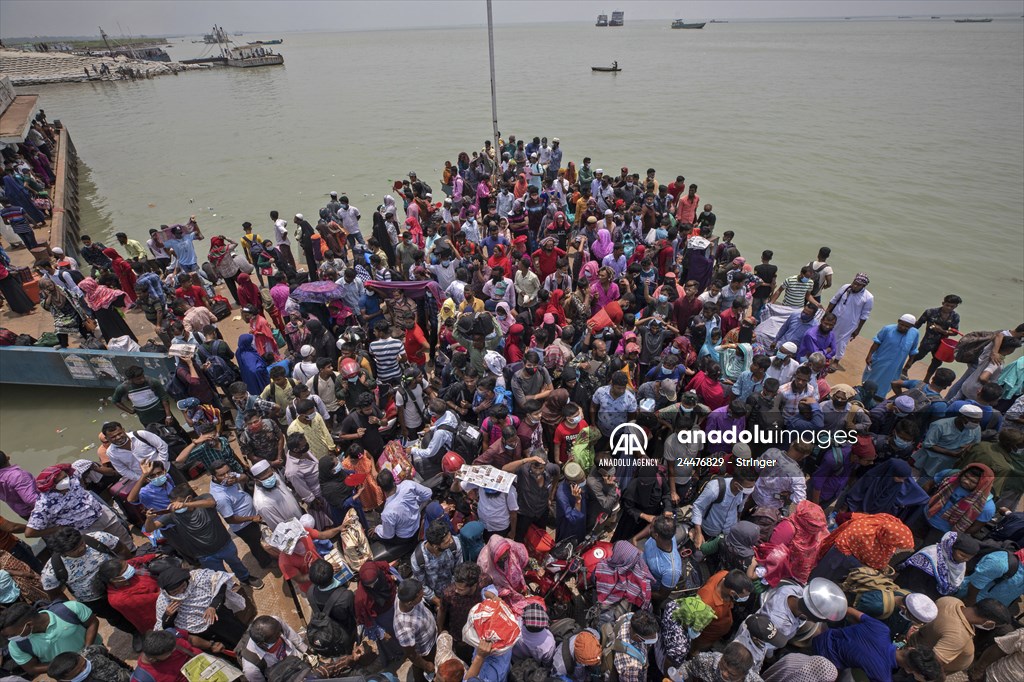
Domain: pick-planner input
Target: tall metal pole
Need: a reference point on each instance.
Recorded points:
(494, 95)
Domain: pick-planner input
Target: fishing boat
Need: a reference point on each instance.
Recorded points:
(602, 20)
(972, 21)
(617, 19)
(276, 41)
(679, 23)
(614, 68)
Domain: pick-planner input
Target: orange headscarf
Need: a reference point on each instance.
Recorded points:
(871, 538)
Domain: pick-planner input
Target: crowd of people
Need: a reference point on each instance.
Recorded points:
(431, 415)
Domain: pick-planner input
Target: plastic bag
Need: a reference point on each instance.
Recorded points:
(494, 621)
(355, 546)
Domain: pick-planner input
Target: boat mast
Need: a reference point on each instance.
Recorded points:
(494, 96)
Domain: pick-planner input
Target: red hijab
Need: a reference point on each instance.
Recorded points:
(375, 593)
(248, 292)
(500, 259)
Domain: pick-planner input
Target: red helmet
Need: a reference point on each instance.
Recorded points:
(451, 462)
(349, 368)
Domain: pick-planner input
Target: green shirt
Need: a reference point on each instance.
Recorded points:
(147, 399)
(134, 249)
(60, 636)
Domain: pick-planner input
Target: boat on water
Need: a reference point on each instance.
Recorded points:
(936, 17)
(149, 53)
(617, 19)
(602, 20)
(718, 21)
(614, 68)
(904, 17)
(276, 41)
(679, 23)
(972, 21)
(239, 33)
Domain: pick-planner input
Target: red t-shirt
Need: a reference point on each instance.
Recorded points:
(414, 342)
(546, 263)
(169, 669)
(193, 294)
(297, 565)
(565, 436)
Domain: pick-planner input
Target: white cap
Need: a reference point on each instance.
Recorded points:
(299, 216)
(608, 211)
(307, 521)
(789, 347)
(555, 139)
(259, 467)
(908, 318)
(972, 411)
(334, 194)
(306, 351)
(533, 155)
(57, 251)
(921, 607)
(599, 171)
(741, 451)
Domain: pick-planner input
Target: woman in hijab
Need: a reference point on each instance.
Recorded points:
(865, 540)
(16, 193)
(681, 348)
(359, 461)
(471, 537)
(506, 318)
(124, 272)
(499, 259)
(520, 187)
(412, 224)
(801, 668)
(645, 497)
(67, 316)
(938, 570)
(514, 344)
(710, 347)
(380, 228)
(793, 548)
(11, 288)
(322, 340)
(251, 365)
(887, 488)
(553, 306)
(623, 576)
(501, 563)
(735, 550)
(375, 606)
(248, 292)
(602, 245)
(224, 263)
(104, 303)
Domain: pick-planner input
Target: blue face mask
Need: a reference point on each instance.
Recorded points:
(662, 299)
(900, 443)
(693, 634)
(673, 350)
(269, 482)
(159, 481)
(334, 583)
(780, 356)
(337, 468)
(129, 572)
(445, 263)
(181, 511)
(805, 280)
(84, 675)
(666, 370)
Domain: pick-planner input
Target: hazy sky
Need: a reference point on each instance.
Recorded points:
(21, 18)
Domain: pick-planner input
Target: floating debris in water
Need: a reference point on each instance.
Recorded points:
(88, 447)
(62, 430)
(95, 420)
(214, 215)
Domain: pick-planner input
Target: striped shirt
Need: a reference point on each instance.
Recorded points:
(385, 353)
(795, 291)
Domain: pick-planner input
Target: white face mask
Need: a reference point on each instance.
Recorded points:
(746, 491)
(63, 485)
(651, 641)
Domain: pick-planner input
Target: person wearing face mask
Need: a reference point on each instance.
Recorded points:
(132, 591)
(796, 327)
(886, 488)
(783, 365)
(635, 633)
(504, 450)
(840, 414)
(235, 505)
(797, 289)
(314, 428)
(567, 431)
(946, 440)
(272, 500)
(716, 509)
(196, 530)
(269, 641)
(530, 385)
(960, 501)
(96, 664)
(63, 501)
(153, 489)
(38, 636)
(301, 469)
(951, 635)
(128, 449)
(202, 602)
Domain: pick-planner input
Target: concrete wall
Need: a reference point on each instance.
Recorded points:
(77, 367)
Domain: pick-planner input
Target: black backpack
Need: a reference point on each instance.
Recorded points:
(467, 440)
(60, 571)
(324, 635)
(57, 608)
(989, 547)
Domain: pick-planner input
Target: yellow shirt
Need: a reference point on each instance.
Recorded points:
(478, 306)
(317, 435)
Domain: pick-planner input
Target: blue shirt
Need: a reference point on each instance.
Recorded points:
(156, 497)
(495, 668)
(866, 645)
(991, 569)
(945, 434)
(232, 501)
(183, 249)
(793, 329)
(400, 518)
(666, 567)
(715, 519)
(936, 410)
(986, 515)
(990, 419)
(745, 385)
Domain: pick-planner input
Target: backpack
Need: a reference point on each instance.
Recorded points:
(923, 402)
(60, 571)
(467, 440)
(220, 308)
(168, 434)
(7, 337)
(987, 548)
(864, 579)
(245, 654)
(220, 372)
(721, 491)
(323, 633)
(968, 351)
(57, 608)
(611, 645)
(176, 388)
(819, 278)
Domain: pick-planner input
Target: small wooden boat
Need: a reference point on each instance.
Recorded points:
(679, 23)
(277, 41)
(972, 21)
(606, 69)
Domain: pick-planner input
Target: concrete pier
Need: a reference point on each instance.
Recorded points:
(37, 68)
